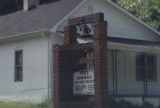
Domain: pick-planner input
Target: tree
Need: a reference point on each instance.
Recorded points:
(46, 1)
(8, 6)
(146, 10)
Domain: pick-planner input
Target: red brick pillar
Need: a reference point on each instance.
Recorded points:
(63, 62)
(100, 65)
(70, 35)
(56, 76)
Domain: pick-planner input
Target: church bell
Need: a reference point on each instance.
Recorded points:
(85, 31)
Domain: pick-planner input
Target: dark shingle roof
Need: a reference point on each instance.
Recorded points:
(43, 17)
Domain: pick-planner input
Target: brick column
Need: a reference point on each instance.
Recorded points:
(56, 76)
(63, 62)
(70, 35)
(71, 57)
(100, 64)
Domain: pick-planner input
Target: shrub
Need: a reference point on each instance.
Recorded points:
(122, 104)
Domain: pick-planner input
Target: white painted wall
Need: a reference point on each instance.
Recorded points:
(119, 24)
(34, 87)
(54, 39)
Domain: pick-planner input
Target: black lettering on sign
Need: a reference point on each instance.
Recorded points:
(83, 83)
(77, 82)
(78, 77)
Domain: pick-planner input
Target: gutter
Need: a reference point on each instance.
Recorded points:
(135, 48)
(28, 34)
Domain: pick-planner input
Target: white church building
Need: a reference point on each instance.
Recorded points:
(26, 51)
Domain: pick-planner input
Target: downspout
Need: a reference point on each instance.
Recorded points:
(114, 59)
(49, 68)
(113, 70)
(145, 78)
(48, 62)
(116, 88)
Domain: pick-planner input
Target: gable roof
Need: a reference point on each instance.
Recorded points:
(43, 17)
(46, 16)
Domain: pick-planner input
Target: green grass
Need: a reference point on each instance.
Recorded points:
(45, 104)
(24, 105)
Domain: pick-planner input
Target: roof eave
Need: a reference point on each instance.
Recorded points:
(44, 32)
(54, 28)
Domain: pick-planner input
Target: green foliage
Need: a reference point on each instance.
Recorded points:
(45, 104)
(8, 6)
(25, 105)
(146, 10)
(122, 104)
(46, 1)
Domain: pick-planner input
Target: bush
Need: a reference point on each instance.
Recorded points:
(122, 104)
(8, 6)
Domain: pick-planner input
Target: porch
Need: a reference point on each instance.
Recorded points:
(133, 69)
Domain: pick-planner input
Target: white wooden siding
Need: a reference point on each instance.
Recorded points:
(119, 24)
(34, 86)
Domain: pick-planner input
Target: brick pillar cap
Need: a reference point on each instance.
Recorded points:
(66, 28)
(100, 30)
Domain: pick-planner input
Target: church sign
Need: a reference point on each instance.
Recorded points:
(83, 82)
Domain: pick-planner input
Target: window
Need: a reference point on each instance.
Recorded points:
(146, 67)
(18, 66)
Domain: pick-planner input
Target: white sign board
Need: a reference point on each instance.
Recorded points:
(83, 82)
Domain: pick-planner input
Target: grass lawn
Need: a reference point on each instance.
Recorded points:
(112, 104)
(24, 105)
